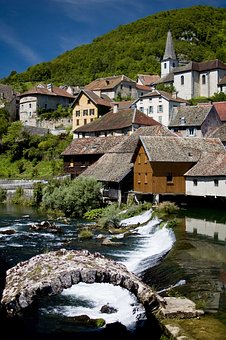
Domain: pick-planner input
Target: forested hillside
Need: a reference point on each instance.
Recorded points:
(199, 33)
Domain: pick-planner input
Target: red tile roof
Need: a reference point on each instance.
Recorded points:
(43, 90)
(221, 110)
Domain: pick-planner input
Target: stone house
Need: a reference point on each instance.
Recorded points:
(46, 97)
(114, 87)
(159, 105)
(194, 121)
(9, 101)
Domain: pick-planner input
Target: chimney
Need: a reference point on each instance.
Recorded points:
(115, 108)
(50, 87)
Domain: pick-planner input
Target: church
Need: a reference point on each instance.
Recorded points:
(195, 79)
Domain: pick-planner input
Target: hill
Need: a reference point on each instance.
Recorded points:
(199, 33)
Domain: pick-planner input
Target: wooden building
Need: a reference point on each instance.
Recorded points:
(161, 162)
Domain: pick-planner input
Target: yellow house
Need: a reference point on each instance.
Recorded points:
(87, 106)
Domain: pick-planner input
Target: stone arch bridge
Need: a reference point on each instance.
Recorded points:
(50, 273)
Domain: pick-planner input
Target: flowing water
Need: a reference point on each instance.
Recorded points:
(189, 256)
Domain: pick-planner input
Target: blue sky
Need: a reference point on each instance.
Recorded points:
(32, 32)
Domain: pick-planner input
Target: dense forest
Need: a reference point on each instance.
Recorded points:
(199, 33)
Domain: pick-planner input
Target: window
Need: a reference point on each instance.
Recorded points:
(164, 65)
(85, 121)
(29, 105)
(150, 109)
(91, 112)
(191, 131)
(203, 79)
(77, 113)
(160, 119)
(85, 112)
(195, 182)
(160, 108)
(145, 159)
(182, 80)
(77, 122)
(88, 101)
(216, 182)
(169, 177)
(139, 158)
(150, 100)
(145, 178)
(142, 109)
(138, 178)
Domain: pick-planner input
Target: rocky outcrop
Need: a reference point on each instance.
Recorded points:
(50, 273)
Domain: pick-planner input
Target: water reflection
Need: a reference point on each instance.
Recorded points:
(215, 230)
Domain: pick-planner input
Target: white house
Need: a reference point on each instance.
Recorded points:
(159, 105)
(195, 79)
(207, 178)
(46, 97)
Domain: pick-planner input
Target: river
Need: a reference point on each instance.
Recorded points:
(191, 256)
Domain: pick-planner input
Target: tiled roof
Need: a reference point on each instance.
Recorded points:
(221, 110)
(219, 132)
(111, 167)
(210, 164)
(164, 94)
(169, 78)
(178, 149)
(94, 98)
(155, 130)
(42, 90)
(148, 79)
(190, 115)
(119, 120)
(107, 83)
(202, 66)
(92, 145)
(142, 87)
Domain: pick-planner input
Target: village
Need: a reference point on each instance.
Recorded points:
(136, 139)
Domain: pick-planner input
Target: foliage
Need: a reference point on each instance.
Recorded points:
(29, 156)
(85, 233)
(134, 210)
(19, 198)
(93, 215)
(166, 208)
(134, 48)
(2, 195)
(73, 198)
(110, 216)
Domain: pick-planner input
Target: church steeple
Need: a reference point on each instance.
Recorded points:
(169, 60)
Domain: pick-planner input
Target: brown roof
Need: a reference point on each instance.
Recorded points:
(190, 115)
(111, 167)
(43, 90)
(142, 87)
(210, 164)
(94, 98)
(221, 110)
(219, 132)
(168, 78)
(201, 66)
(168, 96)
(148, 79)
(178, 149)
(118, 120)
(107, 83)
(92, 145)
(155, 130)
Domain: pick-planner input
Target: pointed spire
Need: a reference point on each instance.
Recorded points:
(169, 49)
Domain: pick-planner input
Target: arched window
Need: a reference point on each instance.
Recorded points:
(203, 79)
(182, 80)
